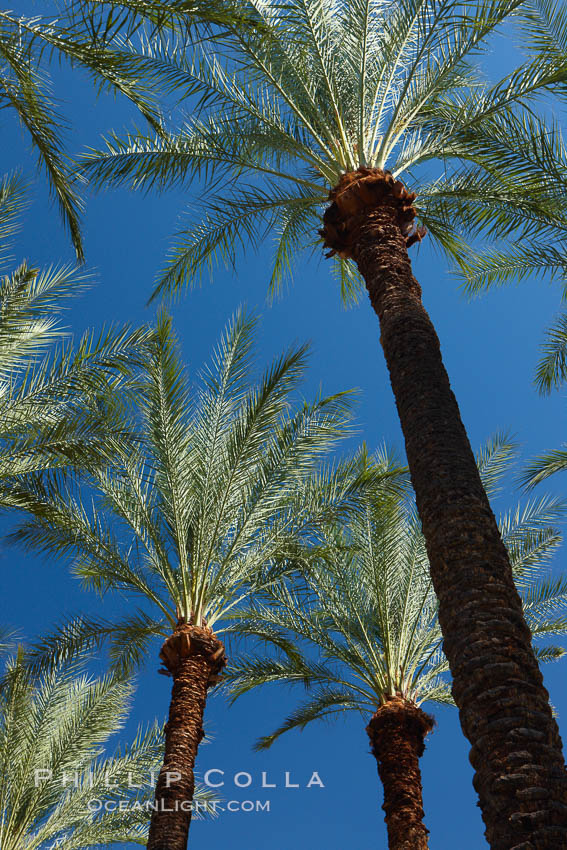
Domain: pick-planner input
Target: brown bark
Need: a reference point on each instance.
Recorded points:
(194, 657)
(497, 685)
(397, 736)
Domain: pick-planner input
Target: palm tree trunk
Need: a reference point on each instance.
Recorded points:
(497, 685)
(194, 657)
(397, 736)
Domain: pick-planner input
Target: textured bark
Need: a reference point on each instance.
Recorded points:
(504, 707)
(397, 736)
(194, 657)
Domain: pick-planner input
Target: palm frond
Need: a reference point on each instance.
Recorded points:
(60, 403)
(494, 460)
(544, 466)
(326, 703)
(481, 270)
(128, 639)
(12, 202)
(105, 39)
(552, 368)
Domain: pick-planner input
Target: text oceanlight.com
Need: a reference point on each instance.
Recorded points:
(213, 807)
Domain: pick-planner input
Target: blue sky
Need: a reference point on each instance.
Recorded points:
(490, 348)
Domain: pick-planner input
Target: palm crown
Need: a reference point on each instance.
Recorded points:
(361, 625)
(323, 88)
(209, 501)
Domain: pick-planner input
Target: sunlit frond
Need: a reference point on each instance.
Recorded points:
(543, 466)
(326, 703)
(494, 460)
(552, 368)
(12, 202)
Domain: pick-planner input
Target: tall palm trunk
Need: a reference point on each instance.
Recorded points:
(397, 736)
(194, 657)
(504, 706)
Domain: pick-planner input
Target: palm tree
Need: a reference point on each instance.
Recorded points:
(208, 504)
(57, 400)
(361, 97)
(95, 36)
(55, 778)
(360, 630)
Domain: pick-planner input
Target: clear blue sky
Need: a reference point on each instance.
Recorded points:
(490, 348)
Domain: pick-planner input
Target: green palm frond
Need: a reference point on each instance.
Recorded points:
(549, 653)
(365, 606)
(108, 20)
(24, 90)
(484, 269)
(128, 639)
(552, 368)
(253, 671)
(7, 640)
(545, 26)
(12, 203)
(56, 772)
(494, 460)
(544, 602)
(226, 225)
(326, 703)
(24, 87)
(544, 31)
(31, 302)
(531, 536)
(544, 466)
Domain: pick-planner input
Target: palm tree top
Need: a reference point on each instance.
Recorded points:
(212, 498)
(360, 627)
(323, 88)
